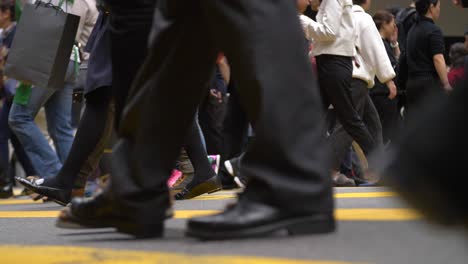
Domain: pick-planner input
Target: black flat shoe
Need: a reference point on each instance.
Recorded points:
(248, 219)
(60, 196)
(99, 212)
(209, 186)
(6, 191)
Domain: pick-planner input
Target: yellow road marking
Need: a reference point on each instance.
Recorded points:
(365, 195)
(57, 254)
(361, 214)
(19, 201)
(377, 214)
(208, 197)
(211, 197)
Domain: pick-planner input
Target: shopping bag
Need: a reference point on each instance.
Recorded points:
(42, 46)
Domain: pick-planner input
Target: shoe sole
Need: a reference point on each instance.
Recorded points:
(7, 196)
(208, 187)
(40, 194)
(293, 227)
(345, 185)
(121, 226)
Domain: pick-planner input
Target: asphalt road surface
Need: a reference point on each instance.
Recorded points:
(374, 226)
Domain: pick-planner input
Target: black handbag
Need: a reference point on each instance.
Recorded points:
(42, 46)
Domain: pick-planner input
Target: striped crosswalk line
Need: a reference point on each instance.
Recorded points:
(342, 214)
(230, 195)
(337, 196)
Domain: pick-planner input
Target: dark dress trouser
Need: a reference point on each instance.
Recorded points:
(340, 139)
(287, 163)
(335, 78)
(418, 89)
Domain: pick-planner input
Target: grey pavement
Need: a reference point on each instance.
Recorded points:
(387, 242)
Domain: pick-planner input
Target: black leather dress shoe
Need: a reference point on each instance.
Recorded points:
(209, 186)
(251, 219)
(100, 212)
(6, 191)
(60, 196)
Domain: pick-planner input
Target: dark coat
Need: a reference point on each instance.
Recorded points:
(100, 64)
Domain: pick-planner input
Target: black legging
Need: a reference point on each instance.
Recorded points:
(198, 156)
(91, 137)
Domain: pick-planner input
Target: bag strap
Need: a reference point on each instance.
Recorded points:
(66, 3)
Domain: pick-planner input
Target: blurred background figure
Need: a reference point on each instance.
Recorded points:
(427, 70)
(388, 109)
(457, 55)
(427, 166)
(8, 87)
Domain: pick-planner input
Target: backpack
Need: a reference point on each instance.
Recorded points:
(405, 19)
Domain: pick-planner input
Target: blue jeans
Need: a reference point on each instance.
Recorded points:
(57, 104)
(5, 136)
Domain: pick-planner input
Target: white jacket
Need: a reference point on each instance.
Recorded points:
(371, 55)
(333, 33)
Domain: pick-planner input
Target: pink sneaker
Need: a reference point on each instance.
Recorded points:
(176, 174)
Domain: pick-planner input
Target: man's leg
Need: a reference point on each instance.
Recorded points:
(58, 115)
(21, 120)
(289, 187)
(4, 149)
(372, 120)
(335, 79)
(287, 160)
(153, 135)
(340, 139)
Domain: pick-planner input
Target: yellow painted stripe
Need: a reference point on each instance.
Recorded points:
(377, 214)
(56, 254)
(28, 214)
(362, 214)
(365, 195)
(209, 197)
(19, 201)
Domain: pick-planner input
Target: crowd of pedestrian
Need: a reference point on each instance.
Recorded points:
(367, 77)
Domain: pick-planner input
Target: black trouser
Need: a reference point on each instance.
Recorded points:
(130, 23)
(335, 75)
(287, 162)
(418, 89)
(340, 139)
(235, 125)
(211, 115)
(389, 116)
